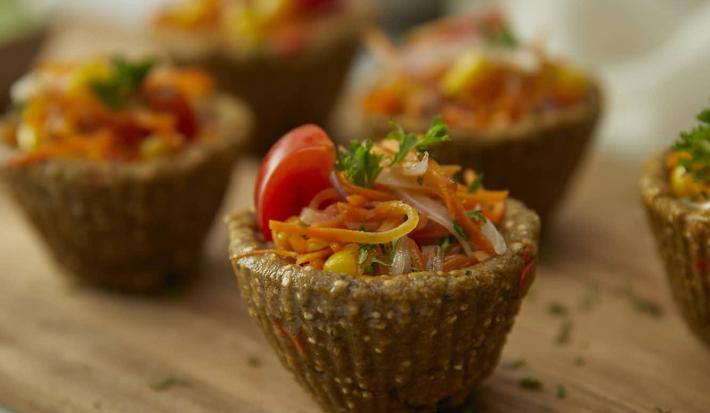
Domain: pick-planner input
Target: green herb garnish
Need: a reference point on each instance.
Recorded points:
(579, 361)
(445, 244)
(126, 78)
(359, 164)
(530, 383)
(564, 332)
(168, 382)
(557, 309)
(364, 253)
(503, 36)
(476, 215)
(514, 364)
(408, 141)
(460, 231)
(475, 185)
(696, 143)
(561, 391)
(645, 306)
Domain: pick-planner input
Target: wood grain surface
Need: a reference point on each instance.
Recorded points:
(598, 330)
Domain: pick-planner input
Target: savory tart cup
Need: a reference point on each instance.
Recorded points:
(131, 226)
(534, 158)
(682, 231)
(387, 343)
(283, 90)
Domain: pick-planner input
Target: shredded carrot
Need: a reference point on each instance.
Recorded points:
(369, 193)
(359, 237)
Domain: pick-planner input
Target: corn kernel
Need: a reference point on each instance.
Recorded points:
(315, 245)
(153, 147)
(344, 261)
(465, 71)
(683, 183)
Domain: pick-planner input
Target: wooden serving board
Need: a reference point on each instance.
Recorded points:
(598, 326)
(69, 348)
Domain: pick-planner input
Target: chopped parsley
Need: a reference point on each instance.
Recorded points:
(561, 391)
(445, 244)
(460, 231)
(167, 383)
(579, 361)
(696, 143)
(645, 306)
(530, 383)
(557, 309)
(476, 215)
(514, 364)
(408, 141)
(126, 78)
(475, 185)
(359, 164)
(502, 36)
(564, 332)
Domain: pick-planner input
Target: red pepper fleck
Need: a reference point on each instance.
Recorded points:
(294, 340)
(701, 265)
(528, 269)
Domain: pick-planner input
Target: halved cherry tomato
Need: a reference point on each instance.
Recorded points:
(296, 168)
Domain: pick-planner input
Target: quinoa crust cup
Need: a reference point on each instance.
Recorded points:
(283, 90)
(410, 342)
(131, 226)
(535, 158)
(682, 232)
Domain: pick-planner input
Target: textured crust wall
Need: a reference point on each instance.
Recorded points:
(535, 159)
(387, 343)
(283, 91)
(682, 234)
(130, 226)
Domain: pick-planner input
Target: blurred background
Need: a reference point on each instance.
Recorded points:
(651, 56)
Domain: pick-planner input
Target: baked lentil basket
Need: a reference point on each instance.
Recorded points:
(515, 114)
(682, 231)
(283, 90)
(535, 159)
(412, 342)
(128, 223)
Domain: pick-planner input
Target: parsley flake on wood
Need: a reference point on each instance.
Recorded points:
(126, 78)
(359, 164)
(564, 332)
(561, 391)
(514, 364)
(530, 383)
(696, 143)
(557, 309)
(167, 383)
(408, 141)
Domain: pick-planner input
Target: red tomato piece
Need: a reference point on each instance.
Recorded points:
(296, 168)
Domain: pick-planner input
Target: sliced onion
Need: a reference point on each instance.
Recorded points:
(433, 257)
(494, 237)
(402, 261)
(417, 168)
(393, 180)
(336, 184)
(437, 212)
(312, 216)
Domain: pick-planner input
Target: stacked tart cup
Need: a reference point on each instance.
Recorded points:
(517, 115)
(121, 165)
(675, 191)
(288, 59)
(367, 323)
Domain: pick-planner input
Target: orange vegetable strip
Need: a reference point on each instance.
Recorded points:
(304, 258)
(454, 262)
(447, 191)
(373, 194)
(495, 212)
(416, 254)
(482, 195)
(359, 237)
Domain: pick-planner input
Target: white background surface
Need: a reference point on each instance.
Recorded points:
(652, 56)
